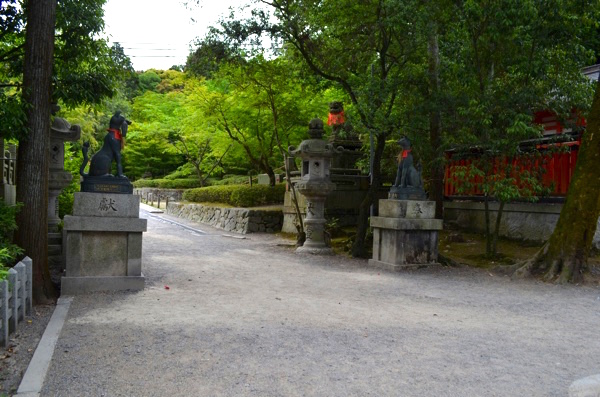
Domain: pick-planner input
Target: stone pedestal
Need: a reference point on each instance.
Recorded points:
(405, 234)
(104, 244)
(314, 223)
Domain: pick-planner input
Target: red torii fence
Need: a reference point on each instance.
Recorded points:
(558, 165)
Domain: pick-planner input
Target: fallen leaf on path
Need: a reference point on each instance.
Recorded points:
(167, 287)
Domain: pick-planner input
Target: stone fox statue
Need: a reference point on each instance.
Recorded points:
(407, 175)
(111, 149)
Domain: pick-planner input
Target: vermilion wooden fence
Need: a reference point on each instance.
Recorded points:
(558, 169)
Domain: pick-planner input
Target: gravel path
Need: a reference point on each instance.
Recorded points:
(249, 317)
(15, 357)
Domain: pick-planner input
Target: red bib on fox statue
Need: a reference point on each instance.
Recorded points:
(336, 118)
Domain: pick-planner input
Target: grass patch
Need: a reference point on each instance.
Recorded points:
(469, 248)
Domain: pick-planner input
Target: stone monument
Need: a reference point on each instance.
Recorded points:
(408, 184)
(99, 178)
(104, 234)
(315, 185)
(405, 234)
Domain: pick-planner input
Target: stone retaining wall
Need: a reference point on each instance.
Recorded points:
(239, 220)
(147, 192)
(520, 221)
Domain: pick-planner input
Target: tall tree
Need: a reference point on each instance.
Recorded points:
(436, 187)
(565, 255)
(11, 51)
(81, 70)
(262, 106)
(509, 60)
(33, 155)
(369, 49)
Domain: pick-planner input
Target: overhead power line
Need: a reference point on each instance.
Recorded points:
(153, 56)
(150, 49)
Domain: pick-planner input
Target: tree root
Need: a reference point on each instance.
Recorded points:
(532, 266)
(556, 270)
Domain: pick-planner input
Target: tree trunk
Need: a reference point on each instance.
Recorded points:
(198, 172)
(33, 155)
(269, 170)
(565, 255)
(358, 246)
(488, 227)
(436, 188)
(497, 228)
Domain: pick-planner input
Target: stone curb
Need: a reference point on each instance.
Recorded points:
(33, 380)
(149, 208)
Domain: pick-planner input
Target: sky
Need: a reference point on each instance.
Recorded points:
(158, 33)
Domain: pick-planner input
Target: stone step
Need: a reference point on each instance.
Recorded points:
(54, 238)
(54, 249)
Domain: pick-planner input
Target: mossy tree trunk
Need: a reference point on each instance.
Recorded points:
(34, 151)
(564, 257)
(359, 247)
(436, 188)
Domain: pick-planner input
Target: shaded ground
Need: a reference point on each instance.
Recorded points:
(249, 317)
(15, 357)
(469, 249)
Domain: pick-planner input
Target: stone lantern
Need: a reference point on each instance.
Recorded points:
(315, 185)
(60, 132)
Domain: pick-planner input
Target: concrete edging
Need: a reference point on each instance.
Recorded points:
(33, 380)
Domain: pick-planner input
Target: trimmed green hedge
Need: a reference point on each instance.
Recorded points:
(167, 183)
(232, 180)
(237, 195)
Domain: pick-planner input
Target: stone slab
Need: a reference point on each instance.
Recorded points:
(406, 224)
(134, 254)
(315, 250)
(586, 387)
(84, 285)
(411, 209)
(398, 268)
(106, 205)
(89, 223)
(405, 247)
(97, 254)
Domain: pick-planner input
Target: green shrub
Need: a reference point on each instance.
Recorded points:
(237, 195)
(145, 183)
(73, 160)
(8, 224)
(65, 203)
(167, 183)
(178, 183)
(233, 180)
